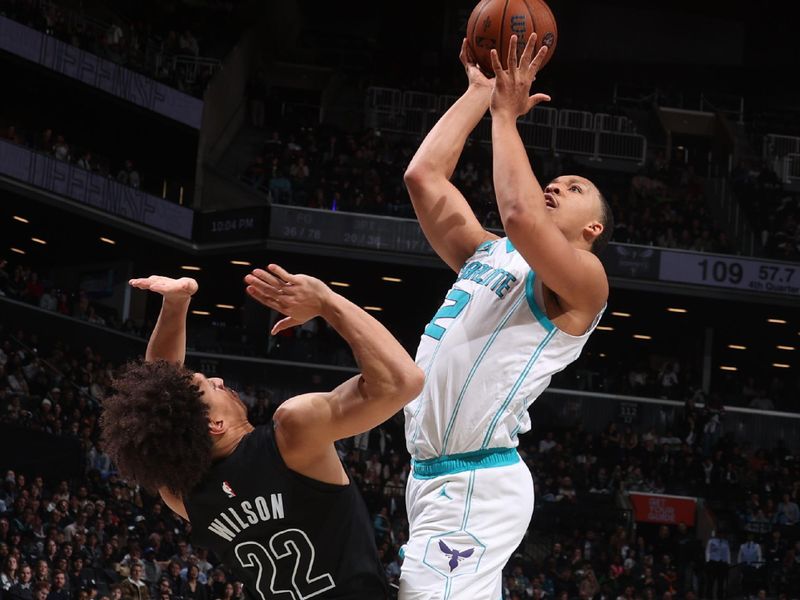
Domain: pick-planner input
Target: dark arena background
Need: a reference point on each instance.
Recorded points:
(206, 138)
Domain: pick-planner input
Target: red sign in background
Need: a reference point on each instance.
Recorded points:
(669, 510)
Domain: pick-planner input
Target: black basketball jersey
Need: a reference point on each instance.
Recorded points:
(286, 536)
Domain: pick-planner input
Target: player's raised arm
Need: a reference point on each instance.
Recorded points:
(389, 378)
(168, 340)
(566, 265)
(444, 214)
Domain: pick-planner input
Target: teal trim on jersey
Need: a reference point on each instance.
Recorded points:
(447, 590)
(449, 429)
(517, 385)
(402, 552)
(468, 461)
(516, 429)
(484, 246)
(468, 504)
(530, 278)
(509, 247)
(427, 370)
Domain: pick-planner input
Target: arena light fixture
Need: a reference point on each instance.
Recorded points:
(39, 241)
(225, 306)
(680, 311)
(20, 219)
(727, 368)
(202, 313)
(602, 355)
(621, 314)
(641, 336)
(373, 308)
(392, 279)
(241, 263)
(190, 268)
(604, 328)
(17, 250)
(108, 241)
(789, 348)
(777, 321)
(341, 284)
(737, 347)
(781, 366)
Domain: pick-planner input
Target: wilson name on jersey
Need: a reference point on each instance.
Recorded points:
(487, 354)
(285, 535)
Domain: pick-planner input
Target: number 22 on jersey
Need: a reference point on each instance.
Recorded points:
(459, 299)
(284, 566)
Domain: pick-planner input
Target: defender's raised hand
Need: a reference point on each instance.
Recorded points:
(511, 96)
(299, 297)
(173, 289)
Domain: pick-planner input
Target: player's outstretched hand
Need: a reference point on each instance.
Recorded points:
(474, 74)
(173, 289)
(512, 86)
(299, 297)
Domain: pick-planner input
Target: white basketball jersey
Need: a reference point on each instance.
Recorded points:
(488, 353)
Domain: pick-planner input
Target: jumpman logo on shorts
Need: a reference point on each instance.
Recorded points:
(444, 492)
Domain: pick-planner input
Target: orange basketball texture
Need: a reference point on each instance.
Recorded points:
(493, 22)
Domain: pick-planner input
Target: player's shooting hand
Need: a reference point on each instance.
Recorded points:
(511, 96)
(474, 74)
(299, 297)
(172, 289)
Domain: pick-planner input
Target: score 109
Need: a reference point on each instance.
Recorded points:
(734, 272)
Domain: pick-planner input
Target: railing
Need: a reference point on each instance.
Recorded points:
(576, 119)
(783, 153)
(778, 146)
(597, 136)
(616, 123)
(790, 169)
(731, 105)
(76, 21)
(561, 407)
(186, 68)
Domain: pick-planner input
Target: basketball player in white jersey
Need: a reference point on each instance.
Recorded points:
(520, 310)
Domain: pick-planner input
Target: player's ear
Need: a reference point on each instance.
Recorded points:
(592, 231)
(216, 427)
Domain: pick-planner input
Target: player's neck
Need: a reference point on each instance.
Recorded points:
(225, 444)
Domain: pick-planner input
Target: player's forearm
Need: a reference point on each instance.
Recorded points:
(388, 372)
(519, 195)
(168, 340)
(440, 150)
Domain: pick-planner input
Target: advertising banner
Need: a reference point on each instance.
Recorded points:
(663, 509)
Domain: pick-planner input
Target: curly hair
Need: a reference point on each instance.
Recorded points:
(155, 427)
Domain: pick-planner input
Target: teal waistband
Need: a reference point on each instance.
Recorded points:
(469, 461)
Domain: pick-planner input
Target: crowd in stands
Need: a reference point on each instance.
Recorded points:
(758, 548)
(97, 537)
(344, 172)
(55, 144)
(147, 38)
(20, 282)
(664, 205)
(773, 212)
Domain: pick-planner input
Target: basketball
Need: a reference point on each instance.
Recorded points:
(493, 22)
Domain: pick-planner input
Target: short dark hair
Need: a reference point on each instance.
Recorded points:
(155, 427)
(607, 220)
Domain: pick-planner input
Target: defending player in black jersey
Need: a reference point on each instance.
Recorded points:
(274, 502)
